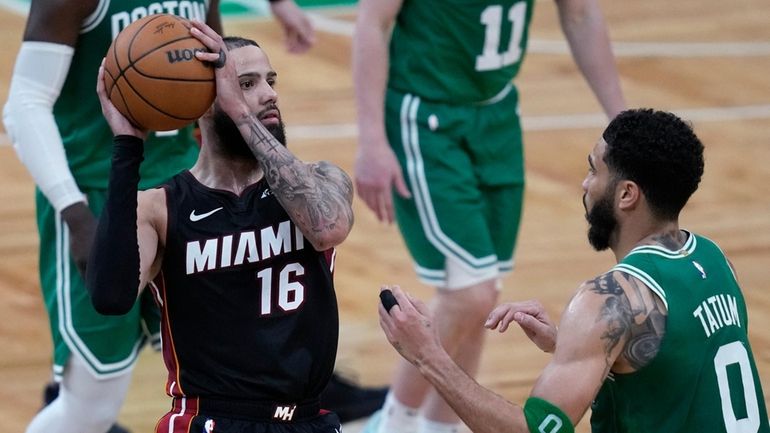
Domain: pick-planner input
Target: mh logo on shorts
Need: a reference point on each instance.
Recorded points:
(208, 427)
(284, 413)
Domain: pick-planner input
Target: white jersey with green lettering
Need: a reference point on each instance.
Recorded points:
(703, 378)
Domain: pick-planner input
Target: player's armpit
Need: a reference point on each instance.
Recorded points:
(151, 223)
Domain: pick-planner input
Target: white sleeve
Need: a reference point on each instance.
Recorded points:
(38, 77)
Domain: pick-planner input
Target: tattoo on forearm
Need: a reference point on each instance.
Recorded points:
(317, 196)
(634, 315)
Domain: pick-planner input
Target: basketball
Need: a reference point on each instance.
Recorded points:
(152, 77)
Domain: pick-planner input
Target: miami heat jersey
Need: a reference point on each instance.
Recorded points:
(248, 304)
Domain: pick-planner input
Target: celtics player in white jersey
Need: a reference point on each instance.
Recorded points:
(440, 149)
(659, 343)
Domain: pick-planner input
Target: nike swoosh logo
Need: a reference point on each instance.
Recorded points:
(195, 218)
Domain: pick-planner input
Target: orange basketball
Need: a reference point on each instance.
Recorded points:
(152, 76)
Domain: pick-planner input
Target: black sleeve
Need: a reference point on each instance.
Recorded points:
(112, 274)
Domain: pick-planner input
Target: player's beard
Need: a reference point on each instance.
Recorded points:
(602, 223)
(230, 138)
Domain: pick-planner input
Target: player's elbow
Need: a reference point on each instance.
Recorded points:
(323, 243)
(110, 307)
(330, 238)
(10, 112)
(108, 299)
(23, 103)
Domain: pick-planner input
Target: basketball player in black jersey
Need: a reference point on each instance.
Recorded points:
(240, 249)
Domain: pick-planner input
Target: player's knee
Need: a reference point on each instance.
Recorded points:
(92, 416)
(471, 304)
(481, 304)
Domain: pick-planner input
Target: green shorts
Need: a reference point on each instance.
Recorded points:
(109, 345)
(464, 166)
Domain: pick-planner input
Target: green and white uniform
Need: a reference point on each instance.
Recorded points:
(109, 345)
(703, 378)
(451, 115)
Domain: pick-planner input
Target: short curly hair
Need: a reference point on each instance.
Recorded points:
(659, 152)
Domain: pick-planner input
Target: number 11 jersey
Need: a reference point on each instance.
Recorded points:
(458, 51)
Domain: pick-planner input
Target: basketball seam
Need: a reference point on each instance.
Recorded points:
(150, 104)
(125, 103)
(131, 63)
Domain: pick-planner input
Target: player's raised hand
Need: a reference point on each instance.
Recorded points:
(118, 123)
(229, 95)
(531, 317)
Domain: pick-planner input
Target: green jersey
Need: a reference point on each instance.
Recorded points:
(458, 51)
(86, 135)
(703, 378)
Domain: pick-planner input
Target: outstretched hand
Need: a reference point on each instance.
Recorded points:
(119, 124)
(531, 317)
(409, 327)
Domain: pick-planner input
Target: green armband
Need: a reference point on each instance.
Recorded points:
(544, 417)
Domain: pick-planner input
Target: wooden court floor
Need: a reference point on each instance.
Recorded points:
(703, 59)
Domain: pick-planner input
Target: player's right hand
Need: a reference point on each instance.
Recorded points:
(81, 223)
(376, 172)
(229, 94)
(297, 29)
(118, 123)
(531, 317)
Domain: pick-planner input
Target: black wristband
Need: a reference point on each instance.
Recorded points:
(274, 1)
(112, 274)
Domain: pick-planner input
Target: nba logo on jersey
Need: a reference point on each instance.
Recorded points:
(208, 427)
(284, 413)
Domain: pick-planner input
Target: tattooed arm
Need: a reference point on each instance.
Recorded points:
(613, 322)
(318, 196)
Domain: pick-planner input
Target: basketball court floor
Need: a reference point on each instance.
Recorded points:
(705, 60)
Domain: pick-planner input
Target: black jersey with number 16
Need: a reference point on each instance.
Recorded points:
(248, 304)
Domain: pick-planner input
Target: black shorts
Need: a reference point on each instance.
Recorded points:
(187, 417)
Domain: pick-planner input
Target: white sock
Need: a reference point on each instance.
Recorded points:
(397, 417)
(85, 404)
(428, 426)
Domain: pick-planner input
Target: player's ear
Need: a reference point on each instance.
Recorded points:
(628, 195)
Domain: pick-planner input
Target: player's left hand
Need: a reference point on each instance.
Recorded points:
(229, 94)
(409, 327)
(297, 29)
(81, 223)
(118, 123)
(531, 317)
